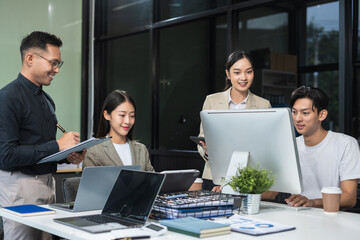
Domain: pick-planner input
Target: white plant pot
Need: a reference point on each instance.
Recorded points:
(250, 203)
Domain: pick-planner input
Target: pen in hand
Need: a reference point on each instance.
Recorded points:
(61, 128)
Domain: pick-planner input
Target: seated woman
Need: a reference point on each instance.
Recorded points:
(117, 120)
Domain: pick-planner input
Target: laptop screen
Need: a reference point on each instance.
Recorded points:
(133, 195)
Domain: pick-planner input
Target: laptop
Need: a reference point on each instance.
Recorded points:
(129, 204)
(178, 180)
(96, 184)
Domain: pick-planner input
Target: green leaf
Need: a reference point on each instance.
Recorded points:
(251, 180)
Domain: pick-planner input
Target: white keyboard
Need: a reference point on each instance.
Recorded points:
(281, 205)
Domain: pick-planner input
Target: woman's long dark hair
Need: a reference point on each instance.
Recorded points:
(232, 59)
(111, 102)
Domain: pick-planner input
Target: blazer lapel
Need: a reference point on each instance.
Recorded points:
(223, 100)
(110, 151)
(251, 104)
(134, 159)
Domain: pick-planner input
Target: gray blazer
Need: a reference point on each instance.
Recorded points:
(105, 154)
(220, 101)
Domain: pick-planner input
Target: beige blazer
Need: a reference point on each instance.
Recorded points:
(220, 101)
(105, 154)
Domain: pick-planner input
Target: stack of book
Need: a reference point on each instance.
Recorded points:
(196, 227)
(194, 204)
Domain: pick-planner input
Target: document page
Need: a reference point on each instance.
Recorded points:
(253, 226)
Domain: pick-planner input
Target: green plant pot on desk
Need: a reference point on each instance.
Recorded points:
(251, 182)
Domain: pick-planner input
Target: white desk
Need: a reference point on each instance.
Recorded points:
(310, 224)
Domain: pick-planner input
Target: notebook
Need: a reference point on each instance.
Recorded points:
(91, 188)
(178, 180)
(28, 210)
(129, 204)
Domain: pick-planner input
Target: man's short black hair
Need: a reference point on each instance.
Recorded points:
(38, 39)
(319, 98)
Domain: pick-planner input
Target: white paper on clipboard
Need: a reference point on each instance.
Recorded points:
(56, 157)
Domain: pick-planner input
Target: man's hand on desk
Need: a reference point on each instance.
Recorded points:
(299, 201)
(76, 158)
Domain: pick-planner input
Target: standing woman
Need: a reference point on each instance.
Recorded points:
(117, 120)
(239, 77)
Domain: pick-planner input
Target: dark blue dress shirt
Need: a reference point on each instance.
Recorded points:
(27, 128)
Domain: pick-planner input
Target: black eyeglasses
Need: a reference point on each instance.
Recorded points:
(53, 63)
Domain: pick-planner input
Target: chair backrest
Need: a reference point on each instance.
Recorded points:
(70, 187)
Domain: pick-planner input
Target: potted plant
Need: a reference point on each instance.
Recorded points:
(251, 182)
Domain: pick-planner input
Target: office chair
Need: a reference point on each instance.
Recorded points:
(70, 187)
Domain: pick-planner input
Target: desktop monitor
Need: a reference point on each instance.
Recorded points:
(267, 135)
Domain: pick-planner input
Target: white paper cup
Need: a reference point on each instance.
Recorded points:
(331, 199)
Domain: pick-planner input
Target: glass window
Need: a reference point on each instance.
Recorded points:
(263, 32)
(187, 53)
(357, 120)
(220, 54)
(263, 28)
(328, 82)
(240, 1)
(322, 34)
(176, 8)
(129, 70)
(358, 40)
(123, 16)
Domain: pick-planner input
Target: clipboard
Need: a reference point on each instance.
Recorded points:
(56, 157)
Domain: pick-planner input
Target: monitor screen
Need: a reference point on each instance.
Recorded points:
(267, 135)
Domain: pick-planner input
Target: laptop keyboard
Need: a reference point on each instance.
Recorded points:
(67, 205)
(104, 219)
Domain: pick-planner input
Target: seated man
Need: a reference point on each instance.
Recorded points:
(327, 159)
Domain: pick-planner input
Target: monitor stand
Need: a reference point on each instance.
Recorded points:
(238, 159)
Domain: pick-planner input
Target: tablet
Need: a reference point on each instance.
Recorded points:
(197, 139)
(178, 180)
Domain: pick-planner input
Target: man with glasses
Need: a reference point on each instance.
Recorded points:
(28, 132)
